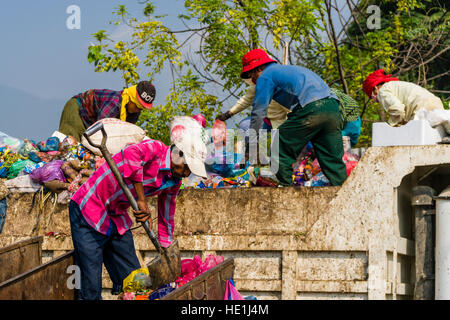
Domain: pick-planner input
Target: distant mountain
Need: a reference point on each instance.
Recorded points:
(23, 115)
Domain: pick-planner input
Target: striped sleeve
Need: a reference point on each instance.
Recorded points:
(134, 158)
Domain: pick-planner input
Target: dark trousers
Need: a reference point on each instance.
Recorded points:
(93, 248)
(320, 123)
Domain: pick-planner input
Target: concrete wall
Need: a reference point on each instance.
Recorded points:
(288, 243)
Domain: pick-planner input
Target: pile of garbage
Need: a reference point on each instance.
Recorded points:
(227, 171)
(137, 286)
(307, 171)
(59, 165)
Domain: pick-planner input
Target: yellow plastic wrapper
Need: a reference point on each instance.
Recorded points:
(138, 280)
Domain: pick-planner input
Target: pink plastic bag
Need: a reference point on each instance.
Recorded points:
(210, 262)
(350, 165)
(231, 292)
(219, 133)
(351, 161)
(192, 268)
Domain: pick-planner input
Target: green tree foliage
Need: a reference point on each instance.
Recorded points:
(329, 37)
(159, 45)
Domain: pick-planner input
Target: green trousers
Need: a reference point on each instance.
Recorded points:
(320, 123)
(70, 123)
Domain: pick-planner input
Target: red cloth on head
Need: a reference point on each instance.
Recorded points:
(374, 79)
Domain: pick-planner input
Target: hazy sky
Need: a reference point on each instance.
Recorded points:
(43, 63)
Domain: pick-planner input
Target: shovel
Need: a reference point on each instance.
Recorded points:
(166, 267)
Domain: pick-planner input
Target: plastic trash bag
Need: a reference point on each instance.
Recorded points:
(52, 144)
(22, 184)
(3, 208)
(30, 168)
(120, 134)
(224, 163)
(7, 141)
(351, 161)
(210, 262)
(137, 280)
(162, 291)
(231, 293)
(219, 133)
(17, 168)
(27, 147)
(48, 172)
(435, 117)
(192, 268)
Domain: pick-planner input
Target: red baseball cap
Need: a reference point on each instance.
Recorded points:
(253, 59)
(374, 79)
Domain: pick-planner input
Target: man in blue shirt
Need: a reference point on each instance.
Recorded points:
(315, 114)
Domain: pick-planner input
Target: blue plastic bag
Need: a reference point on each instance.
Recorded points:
(52, 144)
(3, 208)
(161, 292)
(224, 163)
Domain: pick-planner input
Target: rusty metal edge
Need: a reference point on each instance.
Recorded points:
(35, 270)
(200, 278)
(38, 239)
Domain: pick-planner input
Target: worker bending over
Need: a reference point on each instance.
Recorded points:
(99, 221)
(314, 114)
(399, 99)
(86, 108)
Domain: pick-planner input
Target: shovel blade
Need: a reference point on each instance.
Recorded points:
(166, 267)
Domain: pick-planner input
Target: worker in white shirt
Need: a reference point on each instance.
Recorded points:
(400, 99)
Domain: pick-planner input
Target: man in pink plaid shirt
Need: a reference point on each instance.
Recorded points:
(99, 220)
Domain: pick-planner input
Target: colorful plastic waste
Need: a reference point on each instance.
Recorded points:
(41, 163)
(162, 291)
(27, 147)
(138, 280)
(3, 209)
(12, 143)
(224, 163)
(192, 268)
(231, 293)
(17, 168)
(48, 172)
(219, 133)
(52, 144)
(350, 161)
(308, 173)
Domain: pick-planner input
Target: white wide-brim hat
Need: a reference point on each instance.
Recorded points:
(190, 137)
